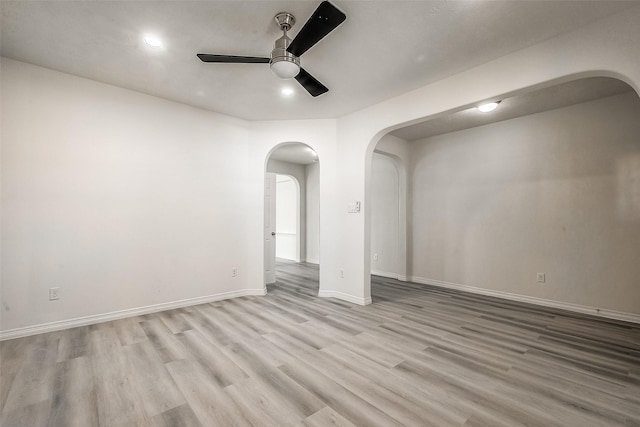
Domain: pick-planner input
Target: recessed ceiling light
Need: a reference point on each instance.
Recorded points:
(286, 91)
(486, 108)
(153, 41)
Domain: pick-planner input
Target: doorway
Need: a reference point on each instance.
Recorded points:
(287, 218)
(292, 219)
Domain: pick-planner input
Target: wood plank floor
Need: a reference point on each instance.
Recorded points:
(418, 356)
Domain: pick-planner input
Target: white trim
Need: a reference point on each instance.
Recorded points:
(312, 261)
(402, 278)
(386, 274)
(345, 297)
(120, 314)
(601, 312)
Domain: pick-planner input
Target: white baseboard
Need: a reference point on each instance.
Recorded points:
(386, 274)
(345, 297)
(121, 314)
(312, 261)
(400, 277)
(601, 312)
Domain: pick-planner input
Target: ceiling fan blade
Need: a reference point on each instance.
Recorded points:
(230, 59)
(313, 86)
(324, 20)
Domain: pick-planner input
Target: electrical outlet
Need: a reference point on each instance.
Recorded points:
(54, 293)
(375, 257)
(342, 273)
(234, 272)
(540, 277)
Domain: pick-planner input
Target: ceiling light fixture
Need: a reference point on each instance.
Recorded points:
(286, 91)
(153, 41)
(486, 108)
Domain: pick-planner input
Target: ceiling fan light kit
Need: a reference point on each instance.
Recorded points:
(283, 63)
(285, 56)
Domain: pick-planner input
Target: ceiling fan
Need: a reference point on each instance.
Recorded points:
(285, 56)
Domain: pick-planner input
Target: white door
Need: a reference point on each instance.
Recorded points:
(270, 228)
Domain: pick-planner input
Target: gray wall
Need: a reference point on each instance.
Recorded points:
(556, 192)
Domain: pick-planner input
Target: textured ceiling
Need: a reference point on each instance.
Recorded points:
(384, 48)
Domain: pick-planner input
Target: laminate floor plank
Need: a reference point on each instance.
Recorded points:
(180, 416)
(282, 388)
(74, 397)
(34, 381)
(356, 410)
(211, 405)
(155, 387)
(612, 406)
(218, 366)
(420, 355)
(403, 403)
(27, 416)
(174, 320)
(166, 344)
(241, 313)
(73, 343)
(326, 417)
(116, 392)
(129, 330)
(259, 406)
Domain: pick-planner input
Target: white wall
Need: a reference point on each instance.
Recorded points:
(130, 203)
(312, 179)
(298, 172)
(287, 218)
(120, 199)
(385, 216)
(556, 192)
(148, 172)
(604, 48)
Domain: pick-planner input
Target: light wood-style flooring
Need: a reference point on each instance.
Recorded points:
(418, 356)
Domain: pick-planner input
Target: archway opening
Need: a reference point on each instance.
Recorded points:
(292, 209)
(515, 203)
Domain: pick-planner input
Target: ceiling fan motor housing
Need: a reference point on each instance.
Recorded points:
(285, 56)
(284, 64)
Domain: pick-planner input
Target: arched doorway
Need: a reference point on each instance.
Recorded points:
(513, 203)
(294, 170)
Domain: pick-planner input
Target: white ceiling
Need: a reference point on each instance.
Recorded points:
(383, 49)
(536, 101)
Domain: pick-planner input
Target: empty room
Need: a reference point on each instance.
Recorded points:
(314, 213)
